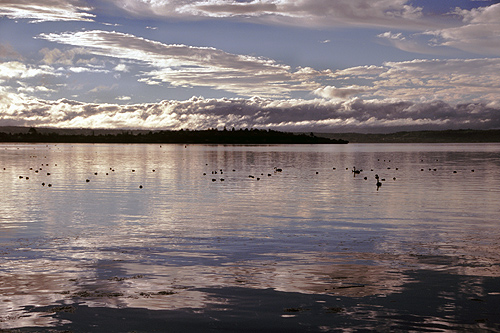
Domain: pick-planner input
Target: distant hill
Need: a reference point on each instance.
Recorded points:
(447, 136)
(210, 136)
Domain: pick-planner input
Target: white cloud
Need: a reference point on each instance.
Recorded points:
(18, 70)
(478, 32)
(200, 113)
(324, 13)
(45, 10)
(452, 80)
(87, 70)
(33, 89)
(390, 35)
(343, 92)
(187, 66)
(121, 68)
(416, 43)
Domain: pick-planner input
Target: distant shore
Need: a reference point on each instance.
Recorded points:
(209, 136)
(240, 136)
(445, 136)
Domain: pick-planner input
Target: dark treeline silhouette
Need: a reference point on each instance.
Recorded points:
(210, 136)
(443, 136)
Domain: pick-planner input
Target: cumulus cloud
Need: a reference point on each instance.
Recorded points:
(187, 66)
(45, 10)
(289, 115)
(324, 13)
(343, 92)
(18, 70)
(121, 68)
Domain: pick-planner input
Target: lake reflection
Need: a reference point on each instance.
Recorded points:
(193, 228)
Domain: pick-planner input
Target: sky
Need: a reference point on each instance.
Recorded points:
(303, 65)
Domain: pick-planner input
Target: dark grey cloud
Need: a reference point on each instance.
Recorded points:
(289, 115)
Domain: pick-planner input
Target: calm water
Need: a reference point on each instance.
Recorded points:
(313, 247)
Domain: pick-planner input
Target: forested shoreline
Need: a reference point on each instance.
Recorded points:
(240, 136)
(209, 136)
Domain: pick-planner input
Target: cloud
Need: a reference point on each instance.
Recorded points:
(188, 66)
(121, 68)
(21, 78)
(289, 115)
(56, 56)
(478, 32)
(103, 88)
(317, 13)
(367, 71)
(29, 89)
(124, 98)
(173, 65)
(416, 43)
(450, 80)
(343, 92)
(87, 70)
(18, 70)
(45, 10)
(8, 52)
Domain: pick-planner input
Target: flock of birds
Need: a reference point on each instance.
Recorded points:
(219, 173)
(38, 171)
(354, 170)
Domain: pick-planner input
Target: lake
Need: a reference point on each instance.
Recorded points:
(112, 237)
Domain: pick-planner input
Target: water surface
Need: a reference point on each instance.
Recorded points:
(213, 237)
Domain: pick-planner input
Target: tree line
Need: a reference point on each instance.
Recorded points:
(209, 136)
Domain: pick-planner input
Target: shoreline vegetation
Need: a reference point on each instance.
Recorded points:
(443, 136)
(209, 136)
(240, 136)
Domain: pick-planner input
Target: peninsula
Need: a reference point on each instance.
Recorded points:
(209, 136)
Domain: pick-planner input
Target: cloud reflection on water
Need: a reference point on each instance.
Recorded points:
(108, 243)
